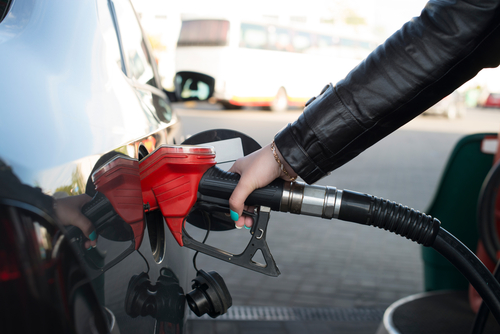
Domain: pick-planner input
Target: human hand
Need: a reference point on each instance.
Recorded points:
(257, 170)
(69, 212)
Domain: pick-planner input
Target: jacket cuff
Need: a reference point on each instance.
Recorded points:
(296, 156)
(298, 144)
(308, 145)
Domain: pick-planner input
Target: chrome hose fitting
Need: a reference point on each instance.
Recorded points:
(317, 201)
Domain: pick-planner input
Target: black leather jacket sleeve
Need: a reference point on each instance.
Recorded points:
(427, 59)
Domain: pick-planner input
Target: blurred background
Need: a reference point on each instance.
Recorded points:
(277, 54)
(268, 58)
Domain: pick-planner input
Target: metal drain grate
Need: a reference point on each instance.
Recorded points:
(269, 313)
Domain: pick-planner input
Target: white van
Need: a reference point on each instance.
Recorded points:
(257, 63)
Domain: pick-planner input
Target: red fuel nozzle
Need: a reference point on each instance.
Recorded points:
(169, 181)
(116, 210)
(118, 180)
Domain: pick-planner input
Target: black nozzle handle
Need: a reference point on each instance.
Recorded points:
(98, 211)
(220, 184)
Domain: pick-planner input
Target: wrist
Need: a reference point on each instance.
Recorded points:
(286, 172)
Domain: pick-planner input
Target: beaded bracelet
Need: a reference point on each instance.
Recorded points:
(273, 148)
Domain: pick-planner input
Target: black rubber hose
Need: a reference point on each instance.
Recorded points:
(472, 268)
(370, 210)
(486, 212)
(484, 311)
(480, 320)
(391, 216)
(486, 221)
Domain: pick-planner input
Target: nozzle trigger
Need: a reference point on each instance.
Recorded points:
(245, 259)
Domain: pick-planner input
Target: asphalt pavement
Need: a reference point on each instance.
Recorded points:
(334, 267)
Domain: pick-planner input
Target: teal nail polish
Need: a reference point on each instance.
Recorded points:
(92, 236)
(234, 216)
(248, 228)
(89, 248)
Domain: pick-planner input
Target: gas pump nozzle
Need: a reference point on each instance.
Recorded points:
(176, 179)
(170, 178)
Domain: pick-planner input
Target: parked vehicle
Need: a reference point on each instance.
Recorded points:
(491, 100)
(487, 88)
(79, 86)
(452, 106)
(240, 52)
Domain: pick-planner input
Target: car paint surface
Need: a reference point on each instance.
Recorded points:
(66, 100)
(66, 103)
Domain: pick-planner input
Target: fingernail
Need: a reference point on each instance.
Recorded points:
(248, 228)
(234, 215)
(238, 227)
(89, 248)
(92, 236)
